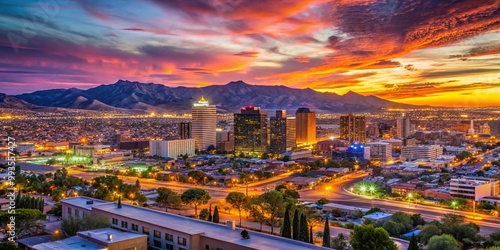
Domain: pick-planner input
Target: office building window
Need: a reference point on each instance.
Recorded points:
(169, 237)
(77, 212)
(124, 224)
(145, 230)
(157, 243)
(114, 221)
(69, 211)
(135, 227)
(169, 246)
(157, 234)
(181, 241)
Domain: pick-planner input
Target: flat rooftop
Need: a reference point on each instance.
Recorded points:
(101, 235)
(207, 229)
(73, 243)
(377, 215)
(81, 202)
(344, 207)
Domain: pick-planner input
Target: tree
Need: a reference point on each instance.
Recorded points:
(56, 210)
(417, 220)
(204, 214)
(27, 221)
(210, 213)
(295, 225)
(404, 219)
(8, 245)
(323, 201)
(340, 242)
(443, 242)
(195, 197)
(287, 193)
(237, 201)
(304, 229)
(216, 217)
(72, 225)
(358, 213)
(168, 198)
(393, 228)
(428, 232)
(413, 243)
(336, 212)
(274, 205)
(286, 229)
(373, 210)
(326, 234)
(367, 237)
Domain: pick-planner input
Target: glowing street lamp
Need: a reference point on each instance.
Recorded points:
(372, 188)
(363, 189)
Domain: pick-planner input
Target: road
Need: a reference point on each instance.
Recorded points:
(339, 194)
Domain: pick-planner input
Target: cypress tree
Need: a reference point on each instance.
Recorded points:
(286, 230)
(326, 234)
(18, 199)
(216, 215)
(311, 235)
(304, 229)
(210, 213)
(295, 225)
(119, 201)
(413, 243)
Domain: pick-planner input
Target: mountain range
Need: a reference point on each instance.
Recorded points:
(130, 96)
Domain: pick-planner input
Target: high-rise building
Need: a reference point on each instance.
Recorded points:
(471, 128)
(204, 121)
(282, 133)
(185, 129)
(353, 128)
(485, 129)
(305, 126)
(250, 130)
(403, 126)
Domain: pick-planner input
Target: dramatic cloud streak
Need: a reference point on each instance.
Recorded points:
(415, 51)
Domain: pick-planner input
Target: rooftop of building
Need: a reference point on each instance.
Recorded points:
(73, 243)
(101, 235)
(377, 216)
(83, 202)
(492, 198)
(345, 207)
(211, 230)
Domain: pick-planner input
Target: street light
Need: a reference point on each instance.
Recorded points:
(372, 188)
(363, 189)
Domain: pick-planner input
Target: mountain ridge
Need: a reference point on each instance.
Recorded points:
(147, 97)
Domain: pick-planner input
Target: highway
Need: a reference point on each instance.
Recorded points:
(339, 193)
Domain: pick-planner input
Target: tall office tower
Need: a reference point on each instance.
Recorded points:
(353, 128)
(403, 126)
(185, 129)
(485, 129)
(282, 133)
(250, 130)
(204, 121)
(306, 126)
(471, 128)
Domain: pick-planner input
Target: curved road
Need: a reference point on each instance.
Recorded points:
(338, 194)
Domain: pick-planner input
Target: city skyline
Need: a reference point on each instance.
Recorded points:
(417, 52)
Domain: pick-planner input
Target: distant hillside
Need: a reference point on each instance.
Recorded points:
(136, 96)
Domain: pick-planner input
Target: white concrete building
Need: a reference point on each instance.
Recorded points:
(421, 152)
(381, 151)
(172, 148)
(204, 122)
(170, 231)
(470, 189)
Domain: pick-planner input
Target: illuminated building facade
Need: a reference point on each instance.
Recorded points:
(305, 126)
(353, 128)
(282, 133)
(251, 130)
(204, 121)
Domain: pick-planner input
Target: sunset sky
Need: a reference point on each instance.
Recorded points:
(437, 52)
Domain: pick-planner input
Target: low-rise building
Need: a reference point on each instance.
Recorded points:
(492, 200)
(345, 210)
(168, 231)
(421, 152)
(377, 217)
(380, 151)
(172, 148)
(104, 238)
(470, 189)
(300, 154)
